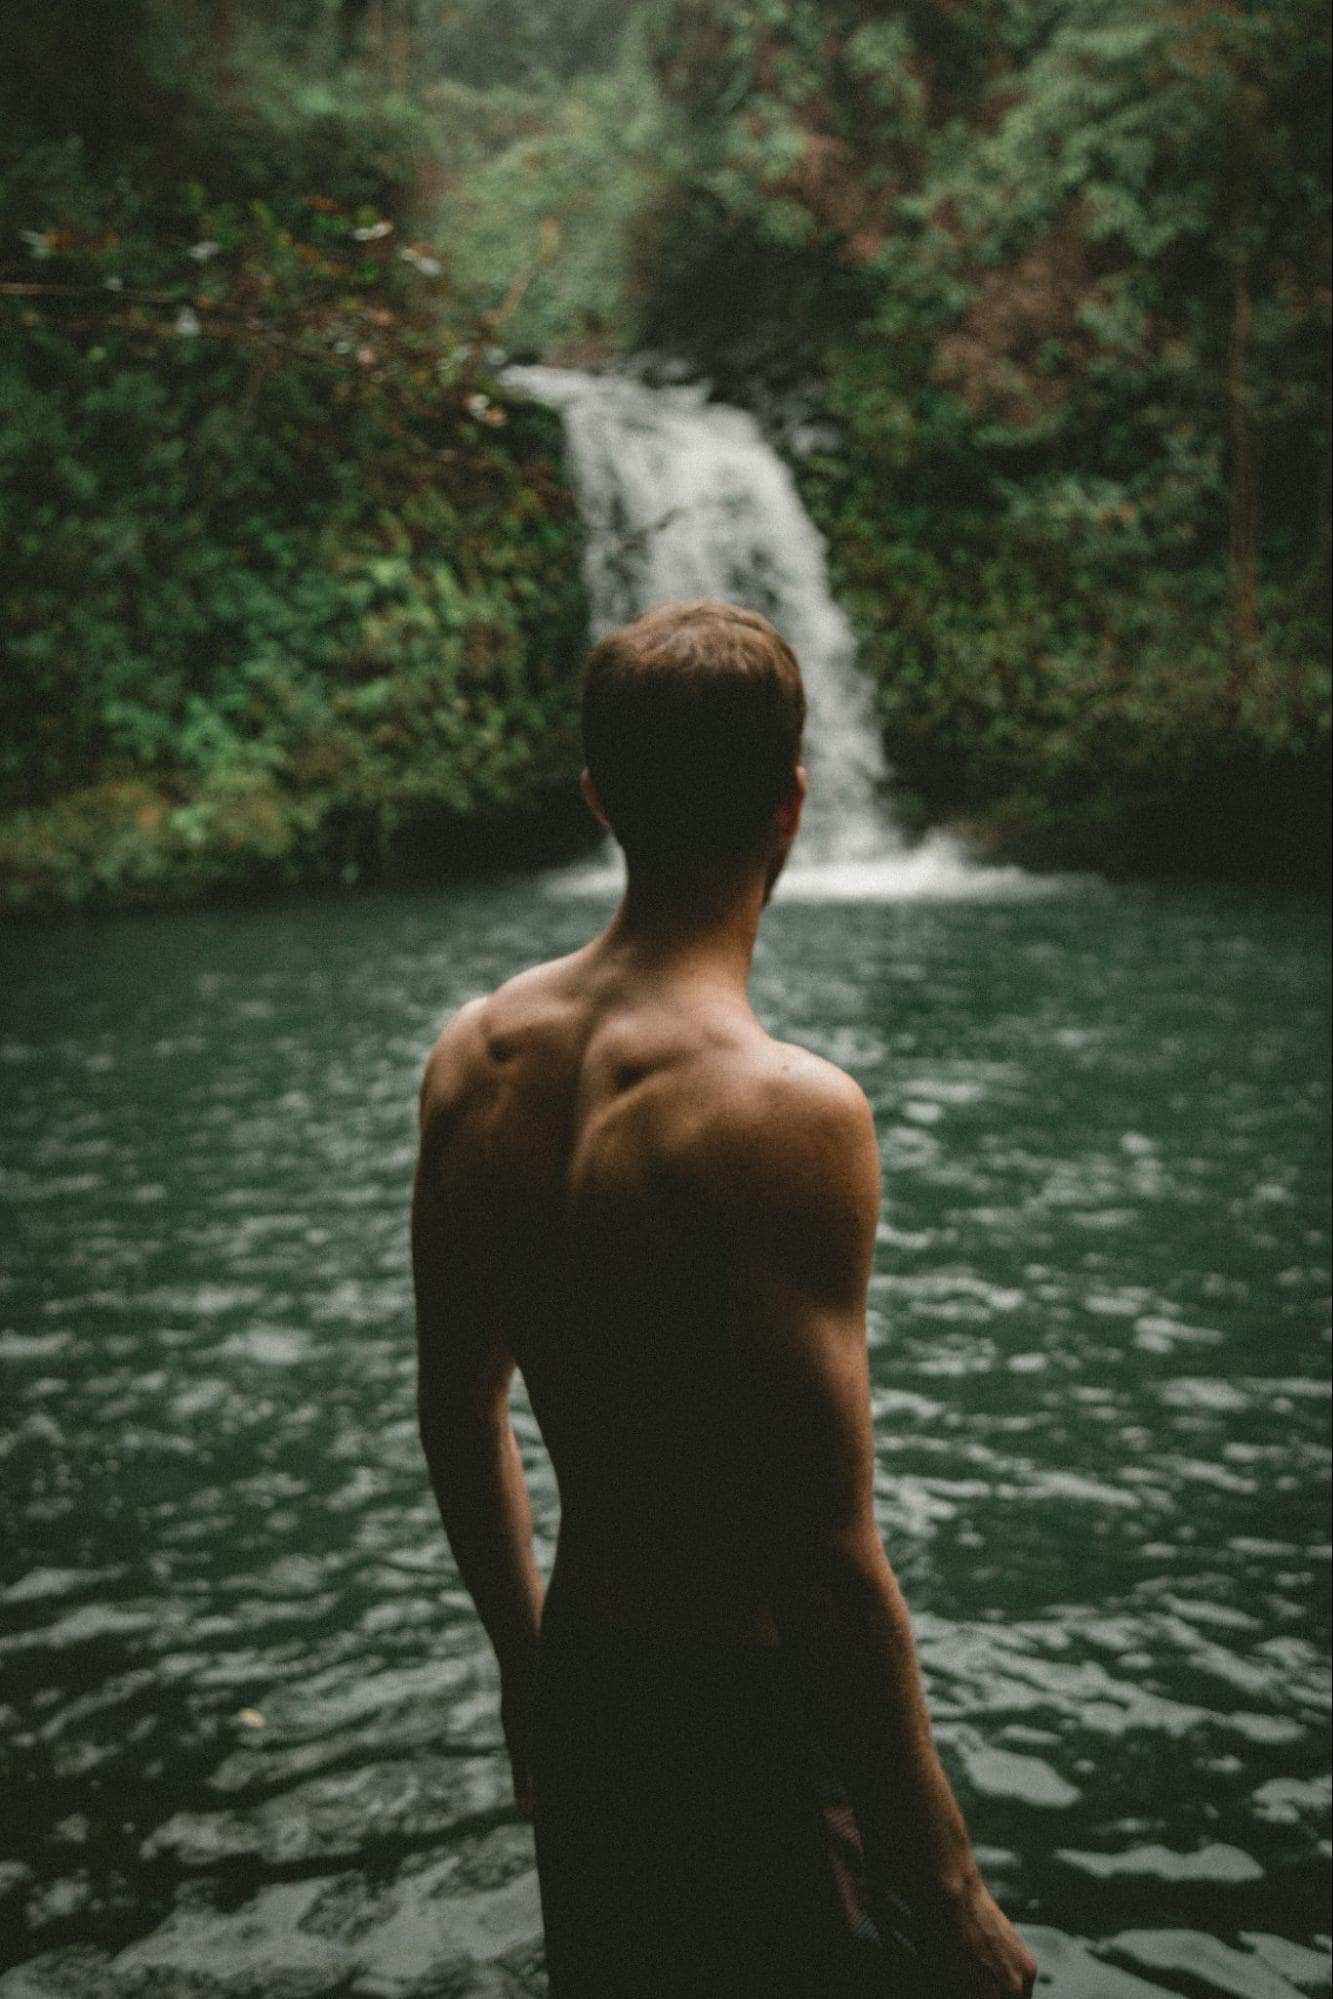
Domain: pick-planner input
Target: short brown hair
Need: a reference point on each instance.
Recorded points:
(692, 720)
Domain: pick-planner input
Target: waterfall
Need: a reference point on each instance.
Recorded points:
(684, 498)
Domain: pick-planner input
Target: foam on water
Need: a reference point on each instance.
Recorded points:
(936, 871)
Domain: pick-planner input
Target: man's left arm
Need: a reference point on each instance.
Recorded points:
(464, 1369)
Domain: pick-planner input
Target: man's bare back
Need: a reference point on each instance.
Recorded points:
(603, 1125)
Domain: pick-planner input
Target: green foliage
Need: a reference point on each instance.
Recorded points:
(541, 200)
(1059, 295)
(520, 43)
(293, 590)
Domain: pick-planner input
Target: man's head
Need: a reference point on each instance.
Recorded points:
(692, 719)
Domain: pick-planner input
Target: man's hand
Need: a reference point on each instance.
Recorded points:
(516, 1721)
(974, 1952)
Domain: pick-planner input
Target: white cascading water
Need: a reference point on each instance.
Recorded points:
(683, 498)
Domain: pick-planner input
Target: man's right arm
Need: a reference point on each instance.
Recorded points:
(804, 1194)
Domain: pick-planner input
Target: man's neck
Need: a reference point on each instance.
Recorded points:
(709, 937)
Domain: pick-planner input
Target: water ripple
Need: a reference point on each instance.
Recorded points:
(250, 1724)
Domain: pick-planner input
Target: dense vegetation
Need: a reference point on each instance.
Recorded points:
(1037, 292)
(1058, 273)
(292, 594)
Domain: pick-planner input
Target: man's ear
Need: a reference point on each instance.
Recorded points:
(595, 806)
(788, 815)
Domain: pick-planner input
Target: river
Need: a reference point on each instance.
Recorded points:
(250, 1738)
(250, 1735)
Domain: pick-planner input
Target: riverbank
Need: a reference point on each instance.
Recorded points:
(1125, 731)
(126, 847)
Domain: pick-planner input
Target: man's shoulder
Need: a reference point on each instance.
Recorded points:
(487, 1026)
(782, 1121)
(457, 1050)
(787, 1166)
(779, 1084)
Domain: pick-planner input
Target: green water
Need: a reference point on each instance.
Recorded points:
(250, 1739)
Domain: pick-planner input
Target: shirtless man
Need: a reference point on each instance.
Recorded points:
(665, 1219)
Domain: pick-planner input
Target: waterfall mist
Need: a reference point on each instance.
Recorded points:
(684, 498)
